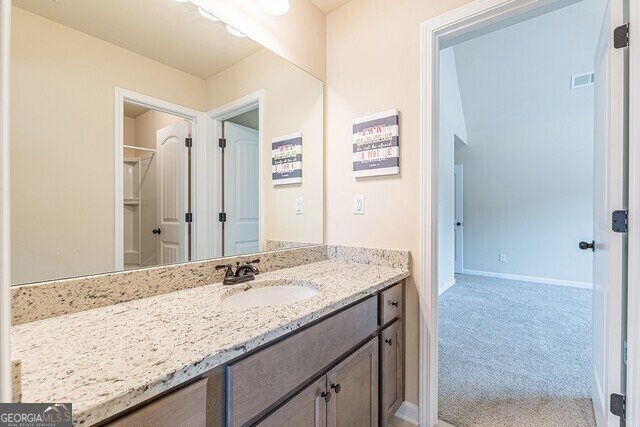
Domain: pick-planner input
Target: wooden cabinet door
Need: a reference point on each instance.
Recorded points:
(391, 372)
(306, 409)
(353, 385)
(186, 407)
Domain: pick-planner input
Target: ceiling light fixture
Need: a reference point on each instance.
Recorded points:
(234, 32)
(181, 1)
(207, 15)
(275, 7)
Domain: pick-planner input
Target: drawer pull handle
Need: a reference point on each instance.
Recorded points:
(395, 304)
(326, 396)
(388, 341)
(336, 387)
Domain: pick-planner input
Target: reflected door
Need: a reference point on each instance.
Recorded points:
(241, 190)
(609, 194)
(172, 193)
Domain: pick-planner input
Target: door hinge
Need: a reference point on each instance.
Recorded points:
(621, 36)
(222, 217)
(222, 143)
(188, 217)
(620, 221)
(188, 142)
(618, 405)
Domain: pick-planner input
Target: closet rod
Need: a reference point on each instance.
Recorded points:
(138, 148)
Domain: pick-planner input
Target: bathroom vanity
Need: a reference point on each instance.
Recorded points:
(203, 356)
(344, 369)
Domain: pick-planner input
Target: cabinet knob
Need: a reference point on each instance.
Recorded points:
(326, 396)
(388, 341)
(395, 304)
(336, 387)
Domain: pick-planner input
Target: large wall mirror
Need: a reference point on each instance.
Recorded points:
(146, 132)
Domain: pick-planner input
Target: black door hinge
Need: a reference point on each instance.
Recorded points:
(222, 143)
(620, 221)
(188, 217)
(222, 217)
(621, 36)
(188, 142)
(618, 405)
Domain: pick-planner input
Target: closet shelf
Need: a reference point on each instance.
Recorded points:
(131, 201)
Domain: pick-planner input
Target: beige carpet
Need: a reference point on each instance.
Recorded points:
(514, 354)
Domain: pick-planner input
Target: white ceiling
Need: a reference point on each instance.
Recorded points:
(166, 31)
(328, 6)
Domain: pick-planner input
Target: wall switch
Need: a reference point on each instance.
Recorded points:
(358, 204)
(299, 206)
(502, 258)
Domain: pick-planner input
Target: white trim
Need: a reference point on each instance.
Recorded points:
(633, 277)
(216, 117)
(532, 279)
(408, 412)
(199, 132)
(469, 17)
(446, 287)
(6, 382)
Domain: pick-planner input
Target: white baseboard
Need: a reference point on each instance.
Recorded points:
(408, 412)
(583, 285)
(446, 287)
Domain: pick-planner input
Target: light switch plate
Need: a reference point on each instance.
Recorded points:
(299, 206)
(358, 204)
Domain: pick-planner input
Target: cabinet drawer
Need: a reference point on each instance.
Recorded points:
(390, 304)
(391, 370)
(186, 407)
(307, 409)
(257, 382)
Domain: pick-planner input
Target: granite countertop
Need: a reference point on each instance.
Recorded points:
(108, 359)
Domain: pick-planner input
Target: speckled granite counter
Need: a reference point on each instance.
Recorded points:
(108, 359)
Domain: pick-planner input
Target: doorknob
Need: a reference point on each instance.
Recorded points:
(458, 224)
(156, 231)
(586, 245)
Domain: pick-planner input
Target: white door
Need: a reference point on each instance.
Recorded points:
(609, 194)
(172, 181)
(241, 190)
(458, 220)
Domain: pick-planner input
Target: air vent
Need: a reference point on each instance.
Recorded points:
(582, 80)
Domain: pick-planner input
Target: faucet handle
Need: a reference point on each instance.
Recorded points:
(228, 267)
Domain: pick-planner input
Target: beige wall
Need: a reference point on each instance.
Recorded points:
(299, 36)
(373, 64)
(292, 103)
(62, 143)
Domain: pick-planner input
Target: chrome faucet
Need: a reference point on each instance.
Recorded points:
(244, 273)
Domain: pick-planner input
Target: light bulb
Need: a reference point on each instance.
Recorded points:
(234, 32)
(207, 15)
(275, 7)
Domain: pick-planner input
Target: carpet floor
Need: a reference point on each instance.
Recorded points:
(514, 354)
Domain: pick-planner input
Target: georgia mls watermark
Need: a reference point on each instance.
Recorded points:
(35, 415)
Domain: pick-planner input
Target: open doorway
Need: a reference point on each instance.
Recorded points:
(529, 318)
(156, 176)
(241, 183)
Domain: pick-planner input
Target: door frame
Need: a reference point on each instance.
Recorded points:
(469, 17)
(216, 118)
(198, 134)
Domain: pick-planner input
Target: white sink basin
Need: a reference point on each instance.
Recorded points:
(264, 294)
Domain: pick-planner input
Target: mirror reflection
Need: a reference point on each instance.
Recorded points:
(146, 132)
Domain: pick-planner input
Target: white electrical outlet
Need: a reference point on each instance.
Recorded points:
(299, 206)
(358, 204)
(502, 258)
